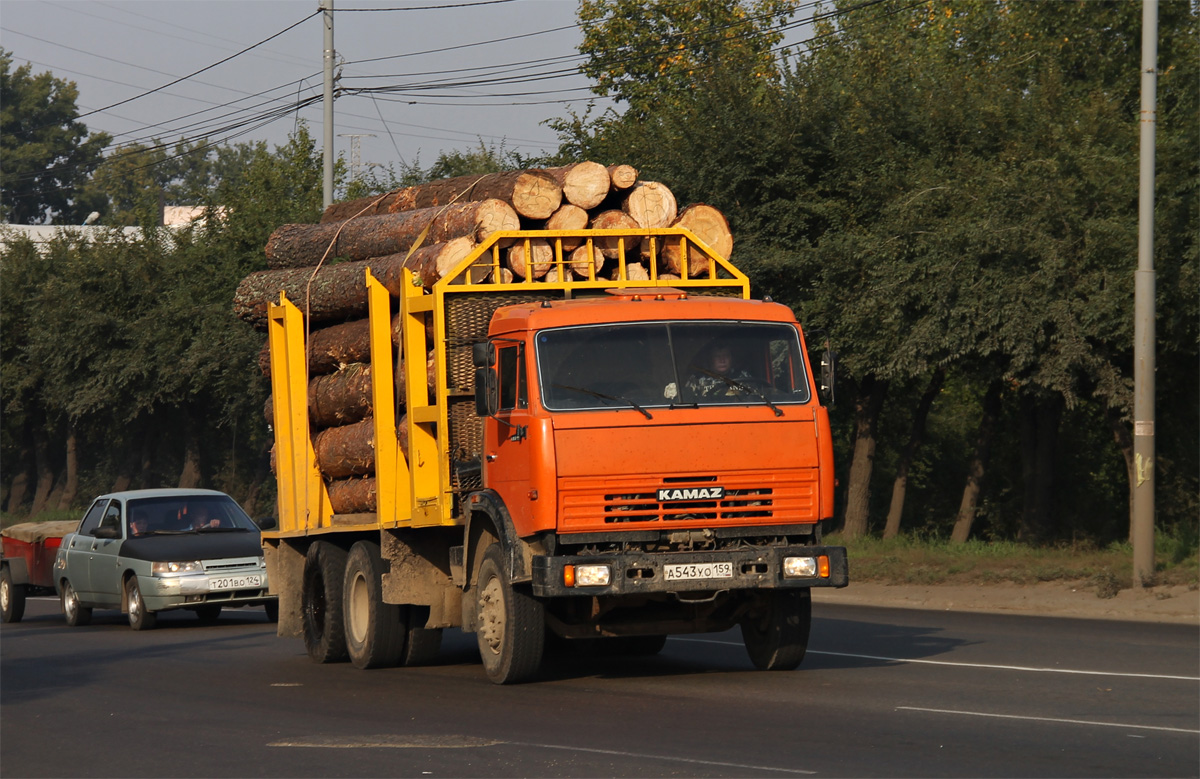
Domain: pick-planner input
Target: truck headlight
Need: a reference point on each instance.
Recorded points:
(587, 575)
(798, 567)
(190, 566)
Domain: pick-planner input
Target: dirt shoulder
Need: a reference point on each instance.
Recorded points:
(1174, 604)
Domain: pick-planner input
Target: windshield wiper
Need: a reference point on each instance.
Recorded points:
(744, 388)
(606, 397)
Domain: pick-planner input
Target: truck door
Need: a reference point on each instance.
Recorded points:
(104, 573)
(509, 456)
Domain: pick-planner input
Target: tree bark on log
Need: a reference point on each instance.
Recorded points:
(867, 406)
(622, 177)
(336, 292)
(537, 264)
(430, 263)
(352, 496)
(372, 205)
(916, 435)
(304, 245)
(533, 193)
(584, 184)
(615, 220)
(710, 226)
(568, 217)
(977, 467)
(651, 205)
(341, 398)
(348, 450)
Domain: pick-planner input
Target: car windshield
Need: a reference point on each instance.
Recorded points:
(186, 514)
(655, 364)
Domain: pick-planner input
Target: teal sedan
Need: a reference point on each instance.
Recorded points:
(148, 551)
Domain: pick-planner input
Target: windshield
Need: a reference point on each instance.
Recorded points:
(656, 364)
(186, 514)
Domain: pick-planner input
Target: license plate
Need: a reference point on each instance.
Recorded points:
(235, 582)
(680, 571)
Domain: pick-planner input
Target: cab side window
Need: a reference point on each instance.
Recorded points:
(112, 517)
(513, 393)
(91, 520)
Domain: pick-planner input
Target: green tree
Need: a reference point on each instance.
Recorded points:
(48, 153)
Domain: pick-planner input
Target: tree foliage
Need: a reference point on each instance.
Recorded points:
(48, 153)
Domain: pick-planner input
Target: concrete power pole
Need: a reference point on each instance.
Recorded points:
(327, 18)
(1144, 336)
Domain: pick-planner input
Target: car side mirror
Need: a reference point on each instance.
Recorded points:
(107, 532)
(828, 377)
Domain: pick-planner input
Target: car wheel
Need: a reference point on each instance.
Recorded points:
(321, 602)
(76, 615)
(422, 645)
(374, 630)
(272, 609)
(209, 612)
(12, 597)
(776, 630)
(139, 617)
(510, 625)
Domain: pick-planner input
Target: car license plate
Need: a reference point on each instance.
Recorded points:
(680, 571)
(235, 582)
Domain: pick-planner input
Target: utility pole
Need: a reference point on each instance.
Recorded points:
(355, 151)
(1144, 336)
(327, 18)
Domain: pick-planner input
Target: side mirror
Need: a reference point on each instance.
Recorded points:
(828, 376)
(483, 355)
(487, 392)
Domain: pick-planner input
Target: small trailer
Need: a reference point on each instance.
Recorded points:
(27, 566)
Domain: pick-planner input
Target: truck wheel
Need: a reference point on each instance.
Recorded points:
(139, 617)
(374, 629)
(12, 597)
(423, 644)
(776, 631)
(321, 602)
(75, 614)
(510, 624)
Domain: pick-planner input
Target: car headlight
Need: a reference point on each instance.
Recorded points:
(191, 566)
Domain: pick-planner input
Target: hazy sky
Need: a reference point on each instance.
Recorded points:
(115, 50)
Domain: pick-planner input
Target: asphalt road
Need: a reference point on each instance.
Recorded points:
(883, 692)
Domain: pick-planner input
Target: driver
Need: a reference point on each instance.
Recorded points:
(716, 369)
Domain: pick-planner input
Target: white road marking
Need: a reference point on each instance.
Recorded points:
(971, 665)
(388, 741)
(1048, 719)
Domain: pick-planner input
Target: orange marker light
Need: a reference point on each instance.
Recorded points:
(823, 566)
(568, 576)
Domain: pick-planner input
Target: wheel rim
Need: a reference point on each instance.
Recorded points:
(5, 593)
(491, 615)
(135, 604)
(359, 615)
(70, 603)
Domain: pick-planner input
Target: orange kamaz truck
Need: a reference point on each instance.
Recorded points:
(587, 462)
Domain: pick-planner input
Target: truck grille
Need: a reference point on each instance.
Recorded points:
(748, 499)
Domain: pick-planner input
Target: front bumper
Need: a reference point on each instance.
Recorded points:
(643, 572)
(174, 592)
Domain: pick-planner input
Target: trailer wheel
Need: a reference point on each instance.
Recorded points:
(139, 617)
(75, 614)
(776, 630)
(321, 602)
(423, 644)
(374, 629)
(12, 597)
(510, 624)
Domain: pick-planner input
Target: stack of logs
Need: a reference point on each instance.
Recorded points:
(321, 269)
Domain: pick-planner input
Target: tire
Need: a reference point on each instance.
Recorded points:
(321, 603)
(139, 617)
(510, 625)
(12, 597)
(374, 630)
(75, 614)
(272, 609)
(208, 613)
(776, 631)
(422, 645)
